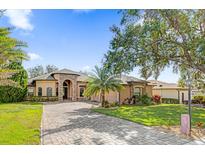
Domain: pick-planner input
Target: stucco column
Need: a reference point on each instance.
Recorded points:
(60, 91)
(74, 90)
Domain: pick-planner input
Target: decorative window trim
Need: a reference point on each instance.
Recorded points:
(137, 93)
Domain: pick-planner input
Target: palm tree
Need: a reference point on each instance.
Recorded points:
(10, 51)
(101, 82)
(10, 48)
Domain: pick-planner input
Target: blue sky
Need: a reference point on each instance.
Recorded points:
(74, 39)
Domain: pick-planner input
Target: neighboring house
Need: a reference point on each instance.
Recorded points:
(70, 85)
(169, 90)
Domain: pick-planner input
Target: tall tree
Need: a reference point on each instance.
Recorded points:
(40, 70)
(21, 76)
(101, 82)
(36, 71)
(51, 68)
(155, 39)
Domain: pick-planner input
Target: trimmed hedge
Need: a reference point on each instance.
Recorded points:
(12, 94)
(41, 98)
(170, 101)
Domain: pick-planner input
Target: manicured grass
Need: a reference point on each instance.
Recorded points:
(155, 115)
(20, 123)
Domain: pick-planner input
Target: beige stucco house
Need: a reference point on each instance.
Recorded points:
(70, 85)
(169, 90)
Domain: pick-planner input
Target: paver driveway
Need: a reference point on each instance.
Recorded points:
(74, 123)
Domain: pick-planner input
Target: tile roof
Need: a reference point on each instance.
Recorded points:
(125, 79)
(66, 71)
(164, 85)
(41, 77)
(81, 77)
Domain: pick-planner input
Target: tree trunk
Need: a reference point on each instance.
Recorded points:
(103, 98)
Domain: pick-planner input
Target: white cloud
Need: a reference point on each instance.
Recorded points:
(34, 56)
(86, 69)
(20, 19)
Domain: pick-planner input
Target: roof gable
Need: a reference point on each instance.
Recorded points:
(82, 77)
(41, 77)
(65, 71)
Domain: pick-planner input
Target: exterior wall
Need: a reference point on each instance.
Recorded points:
(45, 85)
(112, 96)
(185, 95)
(125, 93)
(128, 91)
(148, 90)
(171, 93)
(166, 93)
(80, 84)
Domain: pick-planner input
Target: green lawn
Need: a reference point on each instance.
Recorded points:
(155, 115)
(20, 123)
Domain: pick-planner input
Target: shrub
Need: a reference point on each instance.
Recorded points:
(156, 99)
(12, 94)
(42, 98)
(144, 99)
(106, 104)
(113, 104)
(199, 99)
(170, 101)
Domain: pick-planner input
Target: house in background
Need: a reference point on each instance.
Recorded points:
(70, 85)
(169, 90)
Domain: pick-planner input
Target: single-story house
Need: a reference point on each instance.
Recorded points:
(70, 85)
(169, 90)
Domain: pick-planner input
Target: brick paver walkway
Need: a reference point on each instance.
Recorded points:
(74, 123)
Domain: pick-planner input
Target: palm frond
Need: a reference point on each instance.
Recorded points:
(101, 81)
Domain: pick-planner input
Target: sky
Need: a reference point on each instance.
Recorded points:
(73, 39)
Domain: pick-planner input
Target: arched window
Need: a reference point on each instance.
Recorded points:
(137, 91)
(49, 91)
(39, 91)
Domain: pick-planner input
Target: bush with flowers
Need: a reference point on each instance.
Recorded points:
(156, 99)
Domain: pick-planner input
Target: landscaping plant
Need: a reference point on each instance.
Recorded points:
(170, 101)
(156, 99)
(101, 82)
(199, 99)
(145, 100)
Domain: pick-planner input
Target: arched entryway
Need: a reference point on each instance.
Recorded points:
(67, 90)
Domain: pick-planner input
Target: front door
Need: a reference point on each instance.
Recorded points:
(65, 92)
